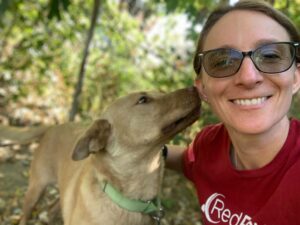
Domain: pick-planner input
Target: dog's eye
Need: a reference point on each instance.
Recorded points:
(143, 99)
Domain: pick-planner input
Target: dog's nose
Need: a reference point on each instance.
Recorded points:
(192, 89)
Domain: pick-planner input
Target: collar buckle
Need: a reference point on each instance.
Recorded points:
(158, 215)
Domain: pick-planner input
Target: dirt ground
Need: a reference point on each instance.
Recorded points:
(178, 195)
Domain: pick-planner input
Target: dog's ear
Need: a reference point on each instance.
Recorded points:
(93, 140)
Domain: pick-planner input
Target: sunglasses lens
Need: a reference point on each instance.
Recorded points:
(274, 58)
(222, 62)
(269, 58)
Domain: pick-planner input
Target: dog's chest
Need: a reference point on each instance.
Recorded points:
(91, 206)
(106, 212)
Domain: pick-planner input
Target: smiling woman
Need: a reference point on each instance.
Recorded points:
(244, 168)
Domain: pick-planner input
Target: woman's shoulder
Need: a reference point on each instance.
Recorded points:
(295, 122)
(294, 126)
(213, 132)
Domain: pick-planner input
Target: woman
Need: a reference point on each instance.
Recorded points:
(246, 169)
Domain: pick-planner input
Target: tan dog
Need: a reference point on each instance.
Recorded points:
(126, 143)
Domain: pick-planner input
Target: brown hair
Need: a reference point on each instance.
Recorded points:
(252, 5)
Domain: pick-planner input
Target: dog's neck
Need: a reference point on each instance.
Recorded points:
(136, 176)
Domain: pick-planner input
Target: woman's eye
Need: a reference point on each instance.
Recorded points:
(143, 99)
(271, 56)
(220, 63)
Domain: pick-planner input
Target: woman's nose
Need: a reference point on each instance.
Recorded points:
(248, 75)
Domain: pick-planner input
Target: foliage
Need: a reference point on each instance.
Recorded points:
(45, 54)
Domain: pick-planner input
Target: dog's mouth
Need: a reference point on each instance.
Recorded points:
(183, 122)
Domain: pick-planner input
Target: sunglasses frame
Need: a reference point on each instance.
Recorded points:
(294, 45)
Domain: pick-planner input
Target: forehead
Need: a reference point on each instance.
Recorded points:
(244, 30)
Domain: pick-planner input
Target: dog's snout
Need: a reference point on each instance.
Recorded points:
(192, 89)
(192, 92)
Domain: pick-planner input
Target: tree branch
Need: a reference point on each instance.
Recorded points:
(79, 85)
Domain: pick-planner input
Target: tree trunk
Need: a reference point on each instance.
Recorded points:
(81, 75)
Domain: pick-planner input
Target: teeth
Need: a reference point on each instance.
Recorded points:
(248, 102)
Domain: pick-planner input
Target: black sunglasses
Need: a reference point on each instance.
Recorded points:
(269, 58)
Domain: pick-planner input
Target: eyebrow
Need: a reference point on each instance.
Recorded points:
(268, 41)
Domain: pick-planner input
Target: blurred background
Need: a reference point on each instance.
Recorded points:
(65, 60)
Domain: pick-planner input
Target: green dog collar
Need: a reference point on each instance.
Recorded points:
(133, 205)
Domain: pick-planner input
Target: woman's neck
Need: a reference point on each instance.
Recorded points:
(253, 151)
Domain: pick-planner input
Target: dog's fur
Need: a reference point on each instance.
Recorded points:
(126, 144)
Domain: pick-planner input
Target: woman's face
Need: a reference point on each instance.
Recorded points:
(249, 101)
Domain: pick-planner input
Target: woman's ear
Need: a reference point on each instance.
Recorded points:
(201, 89)
(296, 84)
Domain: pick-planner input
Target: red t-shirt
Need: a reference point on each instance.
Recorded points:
(265, 196)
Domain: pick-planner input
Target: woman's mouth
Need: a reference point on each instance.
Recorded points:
(250, 101)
